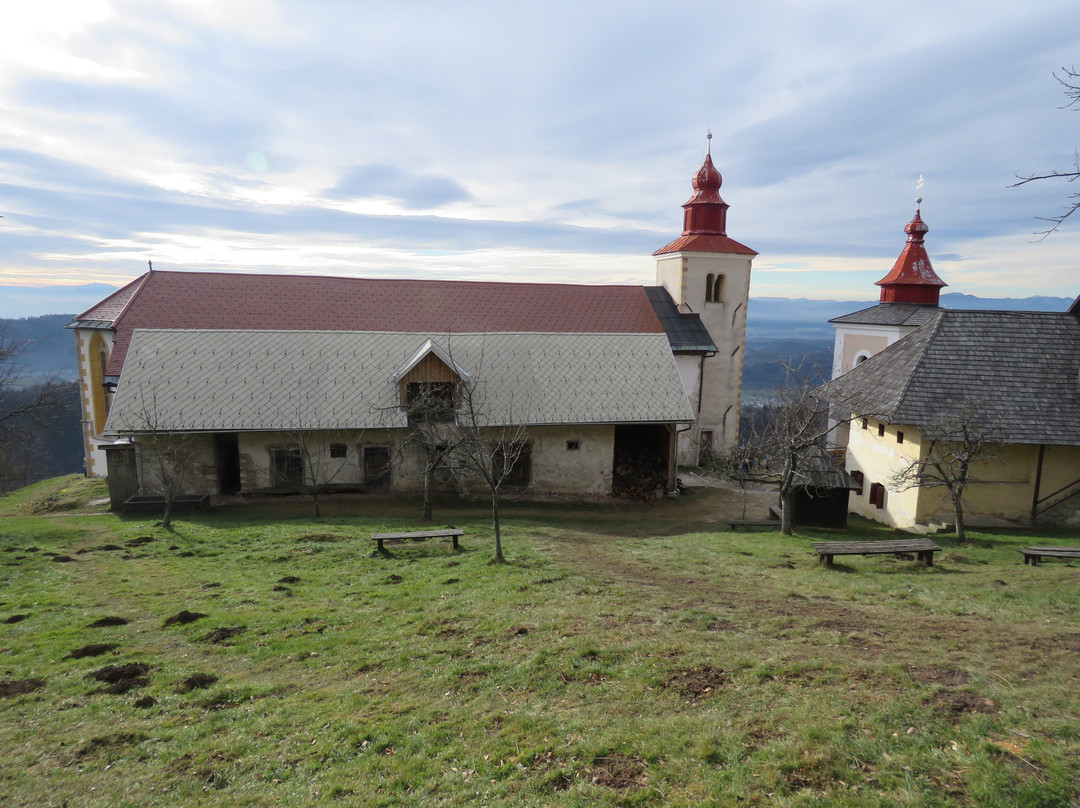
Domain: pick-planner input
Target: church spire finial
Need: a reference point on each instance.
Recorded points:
(708, 142)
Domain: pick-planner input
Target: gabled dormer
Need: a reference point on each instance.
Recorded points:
(429, 383)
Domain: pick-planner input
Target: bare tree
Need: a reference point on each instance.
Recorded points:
(952, 447)
(26, 408)
(1070, 80)
(779, 451)
(165, 456)
(431, 410)
(498, 455)
(322, 460)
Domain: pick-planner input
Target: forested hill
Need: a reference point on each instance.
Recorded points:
(49, 347)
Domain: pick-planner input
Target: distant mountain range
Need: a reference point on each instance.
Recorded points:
(795, 318)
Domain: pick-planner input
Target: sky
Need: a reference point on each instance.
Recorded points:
(520, 141)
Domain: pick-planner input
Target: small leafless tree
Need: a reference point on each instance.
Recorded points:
(433, 434)
(774, 452)
(1070, 80)
(951, 448)
(322, 459)
(165, 456)
(493, 454)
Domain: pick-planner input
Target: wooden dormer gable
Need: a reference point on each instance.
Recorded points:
(428, 367)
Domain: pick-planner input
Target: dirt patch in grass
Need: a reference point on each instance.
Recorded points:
(320, 537)
(1062, 642)
(722, 625)
(550, 767)
(185, 765)
(220, 635)
(91, 650)
(140, 541)
(102, 742)
(289, 579)
(197, 681)
(63, 559)
(619, 772)
(937, 675)
(697, 683)
(183, 617)
(18, 687)
(122, 678)
(959, 702)
(105, 622)
(16, 618)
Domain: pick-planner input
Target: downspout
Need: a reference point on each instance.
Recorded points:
(1038, 483)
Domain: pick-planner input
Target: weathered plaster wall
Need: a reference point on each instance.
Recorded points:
(556, 468)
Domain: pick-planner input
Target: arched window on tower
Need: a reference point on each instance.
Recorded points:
(717, 288)
(709, 280)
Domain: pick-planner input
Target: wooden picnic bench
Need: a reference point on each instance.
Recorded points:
(1033, 555)
(419, 535)
(924, 548)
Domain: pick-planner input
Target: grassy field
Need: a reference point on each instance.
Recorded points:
(630, 654)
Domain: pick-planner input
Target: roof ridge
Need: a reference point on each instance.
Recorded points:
(294, 275)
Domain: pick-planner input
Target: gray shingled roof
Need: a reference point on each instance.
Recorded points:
(205, 380)
(686, 333)
(1020, 369)
(911, 314)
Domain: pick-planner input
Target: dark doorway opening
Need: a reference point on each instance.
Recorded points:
(377, 467)
(641, 463)
(227, 453)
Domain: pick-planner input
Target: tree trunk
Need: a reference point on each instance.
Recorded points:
(429, 472)
(315, 497)
(787, 517)
(958, 514)
(166, 519)
(498, 533)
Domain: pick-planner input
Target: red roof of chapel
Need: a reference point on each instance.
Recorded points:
(912, 279)
(204, 300)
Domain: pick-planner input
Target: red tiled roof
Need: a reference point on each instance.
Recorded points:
(113, 306)
(705, 243)
(310, 303)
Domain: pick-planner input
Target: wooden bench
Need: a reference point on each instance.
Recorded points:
(924, 548)
(735, 524)
(1033, 555)
(419, 535)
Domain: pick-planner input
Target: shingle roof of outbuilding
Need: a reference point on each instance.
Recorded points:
(252, 380)
(1020, 369)
(201, 300)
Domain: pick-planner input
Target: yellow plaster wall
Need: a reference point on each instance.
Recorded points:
(1001, 488)
(878, 458)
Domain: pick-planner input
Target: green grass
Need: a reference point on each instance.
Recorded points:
(630, 654)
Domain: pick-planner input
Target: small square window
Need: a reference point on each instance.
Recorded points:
(899, 437)
(573, 445)
(865, 423)
(881, 430)
(339, 450)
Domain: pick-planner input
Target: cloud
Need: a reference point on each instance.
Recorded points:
(413, 191)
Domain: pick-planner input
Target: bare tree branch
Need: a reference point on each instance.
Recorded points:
(1071, 82)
